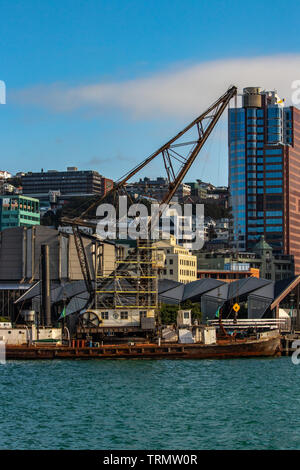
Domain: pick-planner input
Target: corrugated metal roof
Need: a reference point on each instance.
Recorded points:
(166, 284)
(245, 286)
(182, 292)
(170, 292)
(173, 296)
(58, 291)
(238, 288)
(77, 303)
(197, 288)
(220, 292)
(15, 286)
(267, 291)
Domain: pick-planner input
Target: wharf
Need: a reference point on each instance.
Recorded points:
(287, 343)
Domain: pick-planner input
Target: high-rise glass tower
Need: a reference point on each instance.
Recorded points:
(264, 173)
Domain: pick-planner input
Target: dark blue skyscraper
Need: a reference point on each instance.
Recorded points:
(263, 146)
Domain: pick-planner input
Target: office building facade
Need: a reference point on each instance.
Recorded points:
(67, 183)
(180, 263)
(264, 169)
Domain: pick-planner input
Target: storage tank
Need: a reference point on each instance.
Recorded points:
(252, 97)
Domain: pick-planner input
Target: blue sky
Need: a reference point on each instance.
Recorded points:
(102, 84)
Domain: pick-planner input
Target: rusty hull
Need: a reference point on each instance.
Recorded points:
(221, 350)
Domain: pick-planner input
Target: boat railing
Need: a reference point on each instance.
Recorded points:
(257, 323)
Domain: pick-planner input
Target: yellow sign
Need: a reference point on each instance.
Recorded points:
(236, 307)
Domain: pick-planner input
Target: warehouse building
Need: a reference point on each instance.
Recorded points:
(258, 298)
(20, 262)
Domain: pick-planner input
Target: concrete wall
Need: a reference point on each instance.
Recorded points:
(73, 261)
(11, 254)
(44, 235)
(20, 251)
(108, 252)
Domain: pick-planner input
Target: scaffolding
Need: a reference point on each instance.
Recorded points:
(133, 283)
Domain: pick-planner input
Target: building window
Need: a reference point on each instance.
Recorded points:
(274, 221)
(273, 190)
(251, 112)
(273, 167)
(273, 159)
(273, 152)
(274, 229)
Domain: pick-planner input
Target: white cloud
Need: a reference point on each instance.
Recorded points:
(181, 92)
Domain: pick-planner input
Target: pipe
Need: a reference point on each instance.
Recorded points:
(46, 302)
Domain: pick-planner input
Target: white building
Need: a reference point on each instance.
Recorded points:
(5, 175)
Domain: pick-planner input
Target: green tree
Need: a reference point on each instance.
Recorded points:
(195, 308)
(168, 313)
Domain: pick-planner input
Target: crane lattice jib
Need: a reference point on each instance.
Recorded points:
(203, 125)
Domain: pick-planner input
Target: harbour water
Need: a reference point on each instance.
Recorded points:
(150, 404)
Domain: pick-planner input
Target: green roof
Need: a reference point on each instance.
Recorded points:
(262, 245)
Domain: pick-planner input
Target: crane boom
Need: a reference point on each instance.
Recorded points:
(203, 125)
(212, 114)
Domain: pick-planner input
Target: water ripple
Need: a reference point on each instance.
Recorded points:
(145, 404)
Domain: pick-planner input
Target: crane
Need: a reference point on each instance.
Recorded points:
(176, 151)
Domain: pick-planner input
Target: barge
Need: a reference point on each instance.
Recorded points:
(266, 344)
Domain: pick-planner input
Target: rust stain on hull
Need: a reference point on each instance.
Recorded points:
(221, 350)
